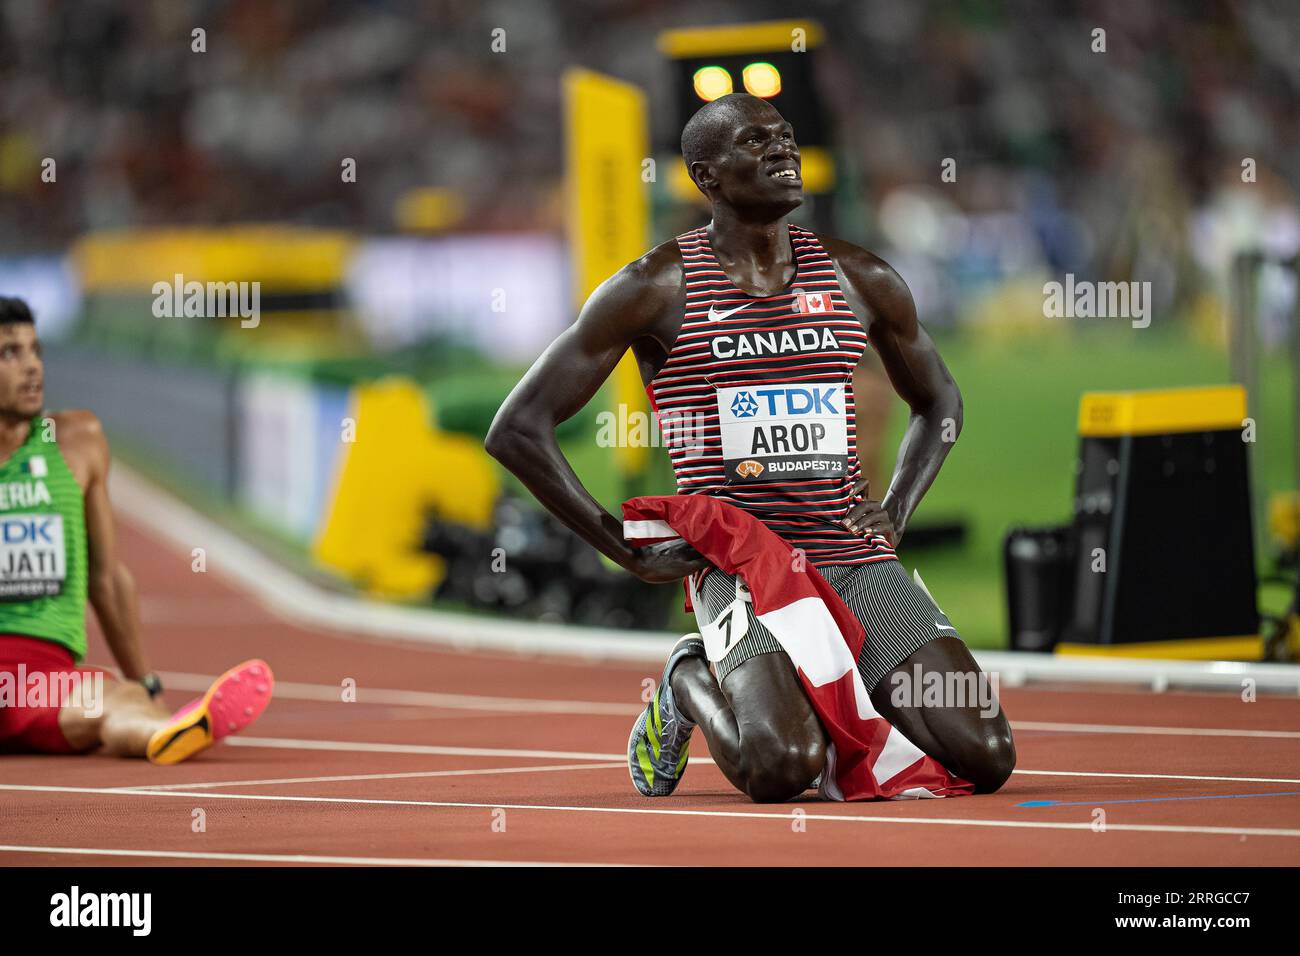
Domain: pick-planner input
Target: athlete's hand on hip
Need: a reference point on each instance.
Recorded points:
(667, 561)
(868, 517)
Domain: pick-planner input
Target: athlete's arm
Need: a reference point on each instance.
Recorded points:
(882, 300)
(631, 305)
(111, 587)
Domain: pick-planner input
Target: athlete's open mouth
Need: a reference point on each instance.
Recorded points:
(790, 174)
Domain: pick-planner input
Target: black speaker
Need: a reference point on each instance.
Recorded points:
(1164, 545)
(1037, 565)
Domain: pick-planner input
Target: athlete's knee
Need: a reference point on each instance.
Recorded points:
(995, 766)
(987, 755)
(779, 770)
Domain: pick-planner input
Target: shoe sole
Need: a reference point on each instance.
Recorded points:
(235, 700)
(632, 740)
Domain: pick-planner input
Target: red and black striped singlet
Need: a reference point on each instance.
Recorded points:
(755, 400)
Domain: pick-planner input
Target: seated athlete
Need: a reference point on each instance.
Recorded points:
(751, 331)
(56, 549)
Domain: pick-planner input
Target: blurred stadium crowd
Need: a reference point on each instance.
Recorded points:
(1114, 164)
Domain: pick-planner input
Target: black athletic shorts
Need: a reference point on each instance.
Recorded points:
(896, 612)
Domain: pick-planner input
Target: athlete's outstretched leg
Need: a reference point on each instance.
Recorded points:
(130, 724)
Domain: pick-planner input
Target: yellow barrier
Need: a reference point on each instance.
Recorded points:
(1162, 411)
(284, 259)
(398, 469)
(609, 208)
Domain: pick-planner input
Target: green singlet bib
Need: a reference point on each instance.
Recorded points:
(42, 544)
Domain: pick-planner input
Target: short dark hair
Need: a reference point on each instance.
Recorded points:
(707, 131)
(13, 310)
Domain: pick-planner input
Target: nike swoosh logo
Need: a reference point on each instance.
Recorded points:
(944, 627)
(716, 316)
(201, 724)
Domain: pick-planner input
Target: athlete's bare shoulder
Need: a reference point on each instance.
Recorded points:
(661, 268)
(867, 272)
(81, 439)
(656, 281)
(631, 308)
(871, 282)
(76, 425)
(641, 299)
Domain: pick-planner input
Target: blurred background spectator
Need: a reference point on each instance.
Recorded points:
(1065, 166)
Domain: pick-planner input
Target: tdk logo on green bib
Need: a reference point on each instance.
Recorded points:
(783, 432)
(34, 529)
(32, 558)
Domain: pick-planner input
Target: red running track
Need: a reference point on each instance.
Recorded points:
(449, 757)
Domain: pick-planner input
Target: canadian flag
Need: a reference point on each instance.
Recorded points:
(868, 759)
(813, 301)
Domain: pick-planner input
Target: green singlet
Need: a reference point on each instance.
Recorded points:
(43, 552)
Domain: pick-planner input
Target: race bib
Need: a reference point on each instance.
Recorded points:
(32, 559)
(783, 432)
(725, 631)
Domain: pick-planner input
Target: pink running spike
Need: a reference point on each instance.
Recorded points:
(236, 703)
(230, 705)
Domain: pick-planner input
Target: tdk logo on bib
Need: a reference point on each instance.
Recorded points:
(783, 432)
(33, 563)
(30, 530)
(743, 405)
(801, 400)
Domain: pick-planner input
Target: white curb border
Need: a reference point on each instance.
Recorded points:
(307, 604)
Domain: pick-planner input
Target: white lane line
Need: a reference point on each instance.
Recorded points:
(620, 765)
(1154, 776)
(726, 814)
(282, 857)
(347, 746)
(1154, 731)
(616, 762)
(330, 693)
(411, 775)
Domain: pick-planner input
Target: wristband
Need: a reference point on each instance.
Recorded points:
(152, 684)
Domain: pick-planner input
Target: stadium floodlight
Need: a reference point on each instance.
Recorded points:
(770, 59)
(711, 82)
(762, 79)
